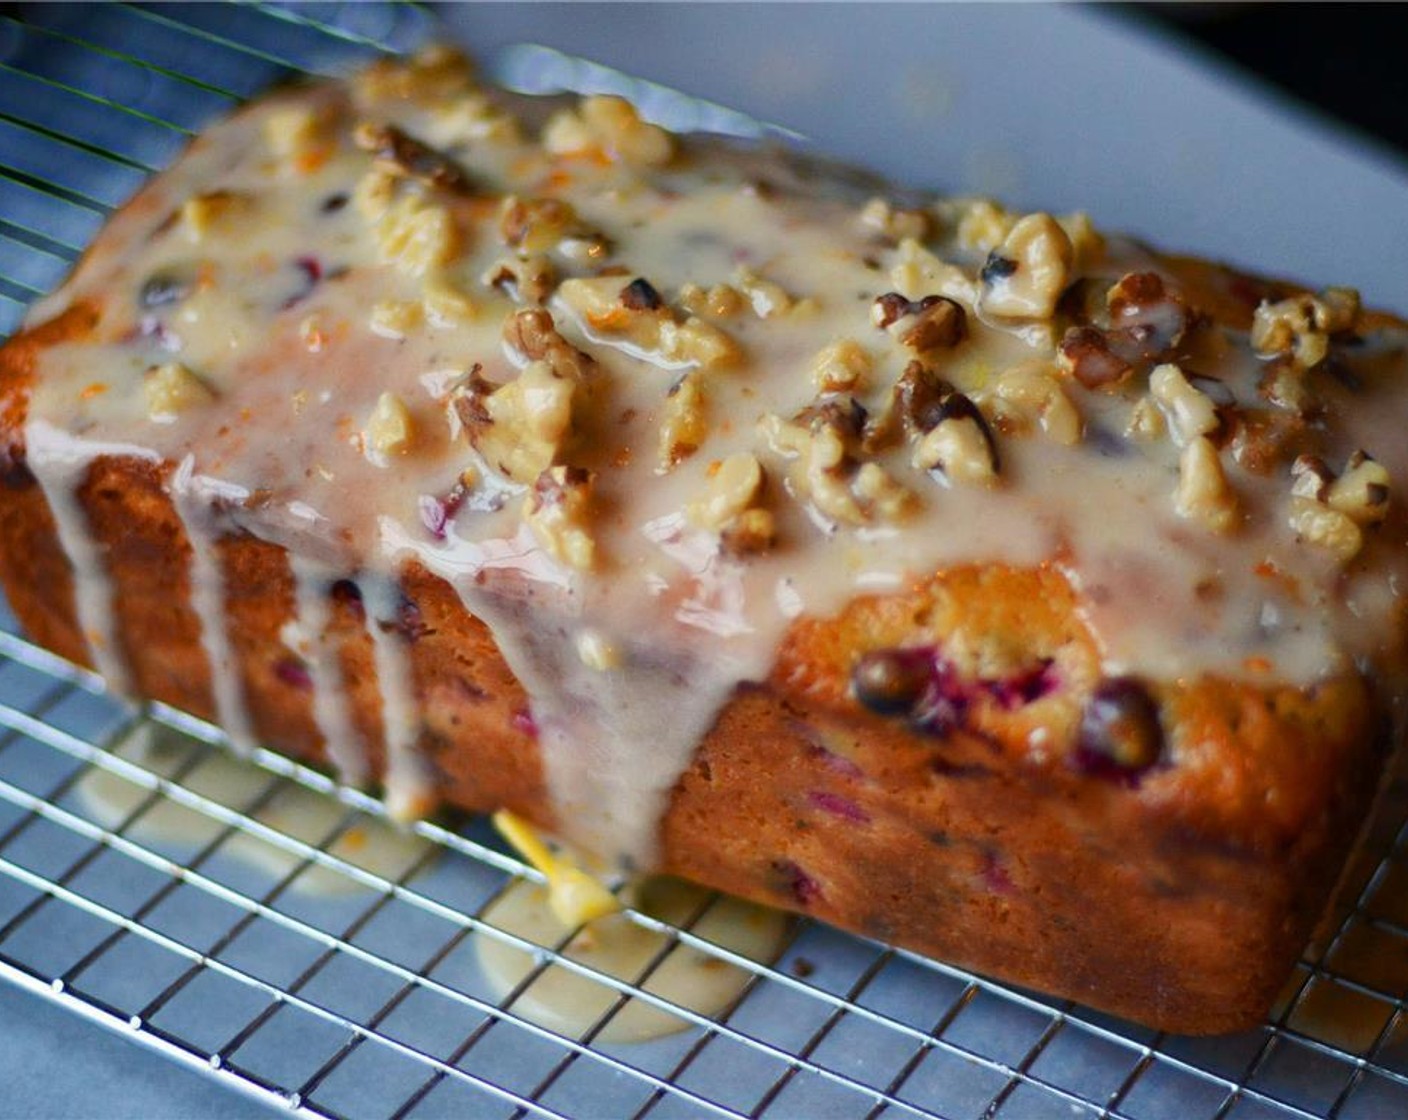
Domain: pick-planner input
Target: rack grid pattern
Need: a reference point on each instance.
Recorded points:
(337, 984)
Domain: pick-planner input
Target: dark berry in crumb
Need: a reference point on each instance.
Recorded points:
(293, 673)
(802, 968)
(838, 806)
(334, 202)
(890, 681)
(165, 287)
(346, 592)
(795, 882)
(1120, 731)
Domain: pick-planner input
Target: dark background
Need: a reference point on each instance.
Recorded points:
(1345, 60)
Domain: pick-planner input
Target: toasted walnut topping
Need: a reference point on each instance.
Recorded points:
(960, 448)
(416, 236)
(1301, 327)
(1360, 494)
(530, 279)
(1190, 413)
(1032, 391)
(751, 532)
(1284, 383)
(446, 304)
(984, 226)
(918, 272)
(1087, 241)
(431, 75)
(373, 195)
(894, 223)
(1204, 493)
(767, 299)
(293, 131)
(1362, 491)
(931, 323)
(1146, 421)
(203, 213)
(605, 305)
(471, 118)
(532, 334)
(717, 302)
(1329, 528)
(841, 367)
(1085, 354)
(596, 651)
(684, 421)
(733, 486)
(172, 389)
(395, 318)
(610, 127)
(535, 225)
(389, 429)
(398, 153)
(519, 427)
(1025, 275)
(558, 510)
(823, 443)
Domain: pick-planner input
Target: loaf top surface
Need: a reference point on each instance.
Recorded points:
(644, 402)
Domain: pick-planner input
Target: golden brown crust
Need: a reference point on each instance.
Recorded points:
(1179, 899)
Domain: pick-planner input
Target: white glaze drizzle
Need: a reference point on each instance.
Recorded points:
(407, 778)
(191, 496)
(60, 462)
(332, 710)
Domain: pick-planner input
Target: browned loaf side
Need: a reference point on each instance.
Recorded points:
(1179, 898)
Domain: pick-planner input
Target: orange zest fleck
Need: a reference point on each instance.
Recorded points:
(96, 389)
(1258, 664)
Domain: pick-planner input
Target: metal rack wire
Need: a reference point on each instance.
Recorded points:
(358, 995)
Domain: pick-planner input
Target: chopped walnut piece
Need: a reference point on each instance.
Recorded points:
(931, 323)
(519, 427)
(1190, 412)
(1284, 383)
(373, 195)
(611, 127)
(535, 225)
(767, 299)
(984, 225)
(684, 422)
(530, 279)
(202, 213)
(389, 429)
(1085, 354)
(1311, 477)
(607, 306)
(1361, 492)
(718, 302)
(918, 272)
(1301, 327)
(558, 510)
(430, 75)
(532, 334)
(1204, 493)
(1329, 528)
(1087, 241)
(416, 236)
(896, 224)
(823, 443)
(172, 389)
(446, 304)
(841, 367)
(1032, 391)
(470, 118)
(1146, 421)
(752, 531)
(1025, 275)
(960, 448)
(398, 153)
(733, 486)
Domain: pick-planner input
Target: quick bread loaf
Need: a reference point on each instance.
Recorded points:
(969, 579)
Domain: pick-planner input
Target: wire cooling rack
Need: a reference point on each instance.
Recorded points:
(306, 953)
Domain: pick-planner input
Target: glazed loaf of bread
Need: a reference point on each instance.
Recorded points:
(968, 579)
